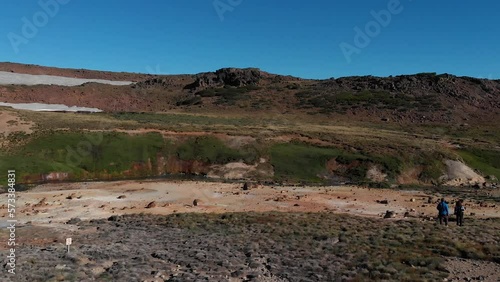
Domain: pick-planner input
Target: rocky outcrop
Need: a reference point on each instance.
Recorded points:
(226, 77)
(55, 176)
(173, 165)
(457, 173)
(375, 174)
(239, 170)
(157, 82)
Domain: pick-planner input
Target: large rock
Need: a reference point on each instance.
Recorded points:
(389, 214)
(457, 173)
(375, 174)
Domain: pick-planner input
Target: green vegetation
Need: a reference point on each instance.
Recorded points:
(113, 155)
(209, 149)
(228, 95)
(190, 101)
(353, 147)
(80, 153)
(486, 161)
(361, 248)
(150, 119)
(303, 162)
(300, 162)
(330, 102)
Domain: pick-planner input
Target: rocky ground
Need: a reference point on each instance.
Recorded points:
(472, 270)
(206, 231)
(246, 247)
(51, 203)
(409, 99)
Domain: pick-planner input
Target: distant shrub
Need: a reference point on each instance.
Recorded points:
(340, 102)
(191, 101)
(228, 94)
(426, 74)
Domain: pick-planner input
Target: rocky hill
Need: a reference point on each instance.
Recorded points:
(419, 98)
(404, 130)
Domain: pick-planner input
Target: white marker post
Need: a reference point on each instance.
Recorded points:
(68, 242)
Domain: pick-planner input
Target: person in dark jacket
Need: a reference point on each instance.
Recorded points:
(459, 212)
(442, 207)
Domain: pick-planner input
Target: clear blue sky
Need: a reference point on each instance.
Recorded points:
(293, 37)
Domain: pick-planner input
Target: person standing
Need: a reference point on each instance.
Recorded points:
(442, 208)
(459, 212)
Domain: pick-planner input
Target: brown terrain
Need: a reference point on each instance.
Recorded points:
(53, 212)
(75, 73)
(57, 203)
(412, 99)
(233, 227)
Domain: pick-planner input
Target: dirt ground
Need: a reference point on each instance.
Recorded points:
(51, 203)
(10, 122)
(51, 206)
(471, 270)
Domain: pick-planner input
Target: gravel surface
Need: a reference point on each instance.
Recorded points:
(471, 270)
(248, 247)
(7, 78)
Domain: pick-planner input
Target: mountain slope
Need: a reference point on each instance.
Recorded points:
(420, 98)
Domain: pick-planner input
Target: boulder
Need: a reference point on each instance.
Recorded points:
(389, 214)
(458, 173)
(74, 220)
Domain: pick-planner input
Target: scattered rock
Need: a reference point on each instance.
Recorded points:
(121, 197)
(43, 202)
(74, 220)
(196, 202)
(151, 205)
(383, 202)
(113, 218)
(389, 214)
(491, 177)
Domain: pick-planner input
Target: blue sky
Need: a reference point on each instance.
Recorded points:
(295, 37)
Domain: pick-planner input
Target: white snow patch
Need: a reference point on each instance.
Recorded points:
(48, 107)
(7, 78)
